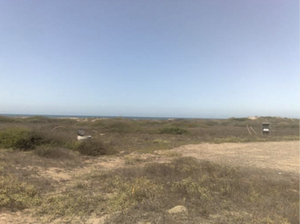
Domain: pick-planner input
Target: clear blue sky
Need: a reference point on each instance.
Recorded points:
(170, 58)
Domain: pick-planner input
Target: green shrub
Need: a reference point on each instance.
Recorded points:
(92, 148)
(18, 138)
(173, 131)
(17, 195)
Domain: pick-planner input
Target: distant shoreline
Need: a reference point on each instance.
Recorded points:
(134, 117)
(86, 116)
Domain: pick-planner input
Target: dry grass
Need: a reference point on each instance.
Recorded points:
(208, 189)
(25, 167)
(15, 195)
(221, 194)
(53, 152)
(212, 192)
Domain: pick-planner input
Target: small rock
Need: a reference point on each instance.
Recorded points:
(177, 209)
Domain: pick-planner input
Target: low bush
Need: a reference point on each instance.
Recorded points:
(93, 148)
(21, 139)
(173, 131)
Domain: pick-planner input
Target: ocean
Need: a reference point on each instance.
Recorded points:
(85, 116)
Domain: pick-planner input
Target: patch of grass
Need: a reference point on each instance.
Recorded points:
(30, 168)
(244, 217)
(131, 192)
(15, 195)
(230, 139)
(173, 131)
(53, 152)
(118, 125)
(71, 202)
(288, 138)
(19, 138)
(172, 154)
(191, 188)
(210, 123)
(161, 141)
(94, 148)
(205, 188)
(133, 159)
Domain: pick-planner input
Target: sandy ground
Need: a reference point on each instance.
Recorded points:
(274, 155)
(280, 156)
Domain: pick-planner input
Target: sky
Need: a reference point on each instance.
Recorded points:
(158, 58)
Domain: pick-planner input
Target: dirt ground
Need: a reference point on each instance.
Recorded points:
(280, 156)
(274, 155)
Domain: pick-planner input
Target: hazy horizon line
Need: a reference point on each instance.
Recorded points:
(121, 116)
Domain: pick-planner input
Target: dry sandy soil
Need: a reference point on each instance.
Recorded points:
(280, 156)
(275, 155)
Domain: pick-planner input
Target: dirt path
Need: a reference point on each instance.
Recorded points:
(275, 155)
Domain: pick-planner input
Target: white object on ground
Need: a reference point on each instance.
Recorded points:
(178, 209)
(81, 138)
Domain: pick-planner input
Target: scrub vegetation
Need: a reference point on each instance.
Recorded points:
(48, 172)
(112, 135)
